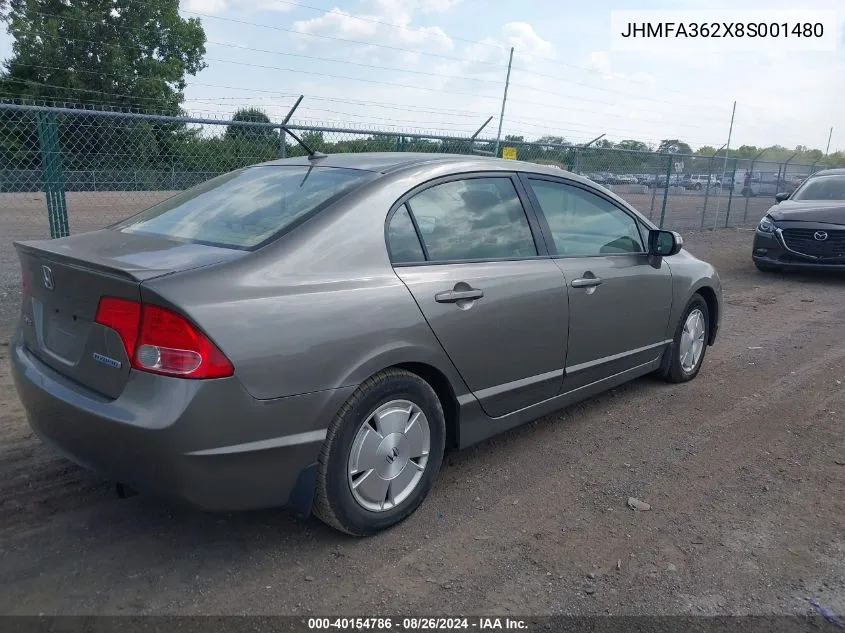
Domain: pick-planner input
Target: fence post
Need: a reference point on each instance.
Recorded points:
(730, 196)
(53, 174)
(747, 194)
(657, 171)
(707, 190)
(666, 189)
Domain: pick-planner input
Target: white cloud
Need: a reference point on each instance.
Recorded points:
(214, 7)
(390, 24)
(524, 39)
(408, 7)
(600, 62)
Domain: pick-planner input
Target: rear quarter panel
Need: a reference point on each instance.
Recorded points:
(319, 309)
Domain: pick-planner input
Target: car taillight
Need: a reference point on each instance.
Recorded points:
(162, 341)
(124, 317)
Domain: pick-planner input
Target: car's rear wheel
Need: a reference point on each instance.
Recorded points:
(683, 359)
(382, 454)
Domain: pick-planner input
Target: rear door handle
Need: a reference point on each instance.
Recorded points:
(586, 282)
(453, 296)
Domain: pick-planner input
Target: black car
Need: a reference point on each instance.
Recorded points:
(805, 228)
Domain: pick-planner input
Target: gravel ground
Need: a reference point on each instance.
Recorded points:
(743, 469)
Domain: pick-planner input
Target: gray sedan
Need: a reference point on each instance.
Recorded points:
(316, 332)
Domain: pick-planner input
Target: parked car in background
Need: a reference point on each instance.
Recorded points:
(805, 228)
(222, 347)
(700, 181)
(756, 183)
(626, 179)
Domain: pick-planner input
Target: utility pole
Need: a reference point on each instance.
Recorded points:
(504, 99)
(725, 165)
(829, 136)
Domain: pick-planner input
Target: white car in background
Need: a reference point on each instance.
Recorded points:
(700, 181)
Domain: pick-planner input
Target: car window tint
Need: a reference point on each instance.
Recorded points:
(244, 208)
(584, 224)
(402, 240)
(477, 218)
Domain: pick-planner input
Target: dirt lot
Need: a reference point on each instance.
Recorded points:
(744, 469)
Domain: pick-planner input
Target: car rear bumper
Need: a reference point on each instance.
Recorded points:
(205, 443)
(768, 250)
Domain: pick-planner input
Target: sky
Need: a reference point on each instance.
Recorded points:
(441, 65)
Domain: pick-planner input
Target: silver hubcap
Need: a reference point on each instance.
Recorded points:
(389, 455)
(692, 340)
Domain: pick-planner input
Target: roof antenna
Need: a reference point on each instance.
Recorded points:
(312, 154)
(283, 126)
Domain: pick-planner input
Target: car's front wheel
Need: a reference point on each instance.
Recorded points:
(682, 360)
(382, 454)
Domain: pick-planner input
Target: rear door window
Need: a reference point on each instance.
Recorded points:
(245, 208)
(473, 219)
(402, 240)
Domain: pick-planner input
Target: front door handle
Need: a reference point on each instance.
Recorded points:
(453, 296)
(586, 282)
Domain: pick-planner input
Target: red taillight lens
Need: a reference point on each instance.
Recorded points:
(170, 344)
(162, 341)
(124, 317)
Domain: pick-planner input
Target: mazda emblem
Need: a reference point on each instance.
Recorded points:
(47, 277)
(821, 236)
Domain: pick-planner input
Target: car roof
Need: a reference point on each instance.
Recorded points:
(387, 162)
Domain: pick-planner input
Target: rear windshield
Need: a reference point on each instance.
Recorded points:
(822, 188)
(244, 208)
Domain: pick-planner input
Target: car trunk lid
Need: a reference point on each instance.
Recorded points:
(64, 280)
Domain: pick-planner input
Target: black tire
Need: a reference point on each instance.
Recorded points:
(670, 368)
(334, 503)
(765, 268)
(697, 186)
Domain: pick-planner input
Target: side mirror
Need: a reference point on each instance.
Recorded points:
(664, 243)
(780, 197)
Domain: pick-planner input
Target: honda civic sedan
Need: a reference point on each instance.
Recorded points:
(317, 332)
(805, 229)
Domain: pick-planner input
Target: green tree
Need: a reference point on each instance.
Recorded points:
(259, 132)
(631, 144)
(604, 144)
(117, 52)
(552, 140)
(673, 146)
(512, 138)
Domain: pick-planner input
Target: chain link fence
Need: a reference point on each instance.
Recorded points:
(66, 170)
